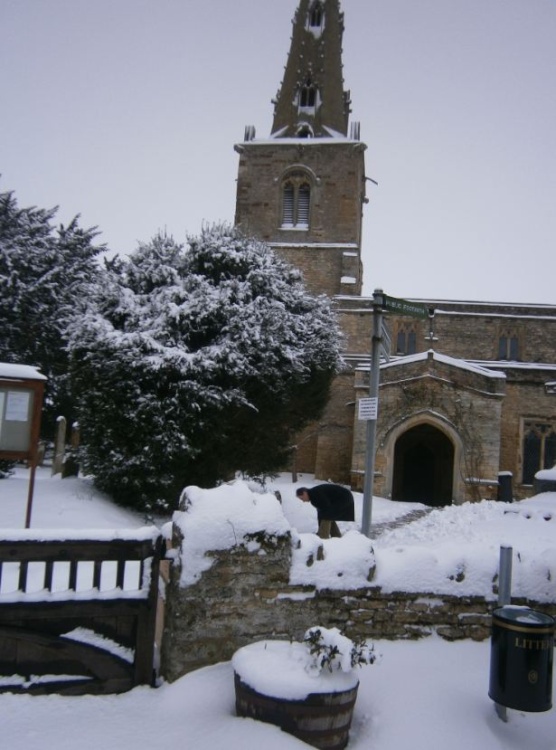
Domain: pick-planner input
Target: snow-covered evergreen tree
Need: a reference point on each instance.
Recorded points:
(193, 362)
(42, 271)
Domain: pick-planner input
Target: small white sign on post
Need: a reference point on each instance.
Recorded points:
(368, 409)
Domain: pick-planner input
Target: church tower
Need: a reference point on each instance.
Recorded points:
(302, 189)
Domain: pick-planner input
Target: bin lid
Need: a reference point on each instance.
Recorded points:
(523, 616)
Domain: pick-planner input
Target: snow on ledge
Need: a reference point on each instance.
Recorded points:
(547, 474)
(72, 535)
(20, 372)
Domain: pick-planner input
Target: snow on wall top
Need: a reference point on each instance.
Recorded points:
(221, 518)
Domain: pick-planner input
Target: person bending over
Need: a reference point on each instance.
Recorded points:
(333, 503)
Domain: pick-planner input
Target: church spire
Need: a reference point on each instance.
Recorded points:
(311, 101)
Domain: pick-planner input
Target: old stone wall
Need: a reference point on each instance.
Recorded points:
(462, 403)
(496, 422)
(461, 330)
(472, 331)
(327, 251)
(336, 192)
(323, 448)
(527, 400)
(246, 596)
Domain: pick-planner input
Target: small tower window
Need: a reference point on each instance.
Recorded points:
(296, 202)
(315, 15)
(308, 96)
(304, 130)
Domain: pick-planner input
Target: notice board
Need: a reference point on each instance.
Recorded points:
(16, 418)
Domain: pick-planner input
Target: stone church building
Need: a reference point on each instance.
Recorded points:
(467, 392)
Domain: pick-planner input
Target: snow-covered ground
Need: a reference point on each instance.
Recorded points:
(424, 695)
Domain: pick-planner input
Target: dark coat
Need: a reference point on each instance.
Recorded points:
(332, 501)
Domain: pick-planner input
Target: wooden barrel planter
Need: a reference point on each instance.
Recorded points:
(321, 718)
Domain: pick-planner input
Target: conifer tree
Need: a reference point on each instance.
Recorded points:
(43, 270)
(191, 363)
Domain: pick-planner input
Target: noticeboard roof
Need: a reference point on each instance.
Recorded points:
(19, 372)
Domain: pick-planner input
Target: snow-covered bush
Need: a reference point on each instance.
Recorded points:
(329, 649)
(193, 362)
(6, 468)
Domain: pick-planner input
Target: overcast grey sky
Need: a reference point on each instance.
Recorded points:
(126, 111)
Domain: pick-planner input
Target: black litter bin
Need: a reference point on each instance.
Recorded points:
(521, 656)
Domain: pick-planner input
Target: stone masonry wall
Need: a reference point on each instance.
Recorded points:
(327, 251)
(447, 397)
(246, 596)
(526, 400)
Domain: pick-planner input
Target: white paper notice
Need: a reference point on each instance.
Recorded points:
(368, 409)
(17, 406)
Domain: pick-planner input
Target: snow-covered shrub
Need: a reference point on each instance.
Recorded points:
(191, 363)
(330, 650)
(6, 468)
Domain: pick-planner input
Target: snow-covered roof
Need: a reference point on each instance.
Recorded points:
(483, 314)
(296, 141)
(334, 245)
(20, 372)
(461, 364)
(497, 308)
(506, 364)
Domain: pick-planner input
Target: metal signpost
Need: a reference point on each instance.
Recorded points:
(370, 412)
(368, 407)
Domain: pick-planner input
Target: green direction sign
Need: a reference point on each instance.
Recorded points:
(404, 307)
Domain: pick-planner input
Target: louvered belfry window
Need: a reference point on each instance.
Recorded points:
(296, 202)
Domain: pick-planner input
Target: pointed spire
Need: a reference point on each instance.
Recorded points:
(311, 101)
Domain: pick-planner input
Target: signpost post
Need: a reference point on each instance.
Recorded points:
(370, 412)
(368, 407)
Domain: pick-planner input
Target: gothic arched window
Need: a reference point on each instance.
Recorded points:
(296, 202)
(308, 95)
(539, 449)
(406, 339)
(508, 346)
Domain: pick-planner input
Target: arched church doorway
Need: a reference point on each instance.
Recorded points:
(423, 466)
